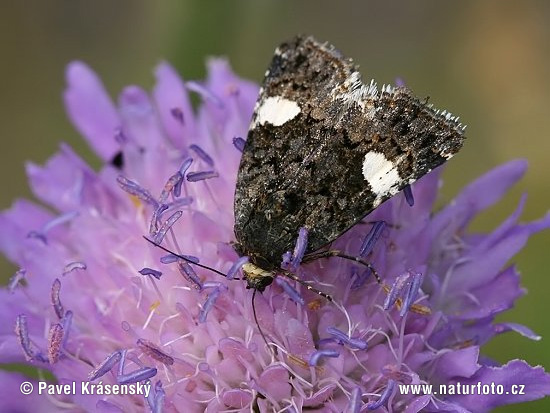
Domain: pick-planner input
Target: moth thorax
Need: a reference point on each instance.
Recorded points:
(256, 277)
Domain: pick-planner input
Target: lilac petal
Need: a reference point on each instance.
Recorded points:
(142, 374)
(516, 372)
(407, 191)
(55, 340)
(154, 352)
(316, 356)
(91, 110)
(239, 143)
(236, 267)
(149, 271)
(56, 302)
(200, 176)
(105, 366)
(290, 291)
(236, 398)
(493, 185)
(384, 397)
(371, 238)
(418, 404)
(16, 279)
(202, 154)
(165, 227)
(355, 402)
(171, 98)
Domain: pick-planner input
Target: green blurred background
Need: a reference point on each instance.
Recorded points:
(487, 61)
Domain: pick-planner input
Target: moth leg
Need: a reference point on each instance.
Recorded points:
(336, 253)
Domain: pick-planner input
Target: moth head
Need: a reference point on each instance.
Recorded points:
(256, 277)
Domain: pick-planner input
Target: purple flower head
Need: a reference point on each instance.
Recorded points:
(89, 302)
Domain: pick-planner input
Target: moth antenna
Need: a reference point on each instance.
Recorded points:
(294, 277)
(206, 267)
(341, 254)
(269, 346)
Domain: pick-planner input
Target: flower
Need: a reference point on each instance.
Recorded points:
(95, 303)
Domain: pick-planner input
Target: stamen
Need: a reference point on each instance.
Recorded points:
(355, 400)
(290, 291)
(202, 154)
(299, 248)
(411, 292)
(180, 202)
(399, 284)
(316, 356)
(159, 397)
(144, 373)
(183, 169)
(105, 366)
(56, 302)
(155, 218)
(407, 191)
(177, 114)
(208, 304)
(200, 176)
(22, 332)
(204, 93)
(343, 338)
(392, 372)
(149, 271)
(159, 236)
(236, 267)
(16, 279)
(75, 265)
(55, 339)
(169, 259)
(59, 220)
(239, 143)
(156, 398)
(384, 397)
(154, 352)
(169, 186)
(135, 189)
(189, 273)
(371, 238)
(122, 363)
(360, 279)
(66, 323)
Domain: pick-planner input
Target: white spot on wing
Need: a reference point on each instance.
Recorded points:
(380, 173)
(276, 111)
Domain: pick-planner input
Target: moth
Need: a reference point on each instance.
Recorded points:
(323, 150)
